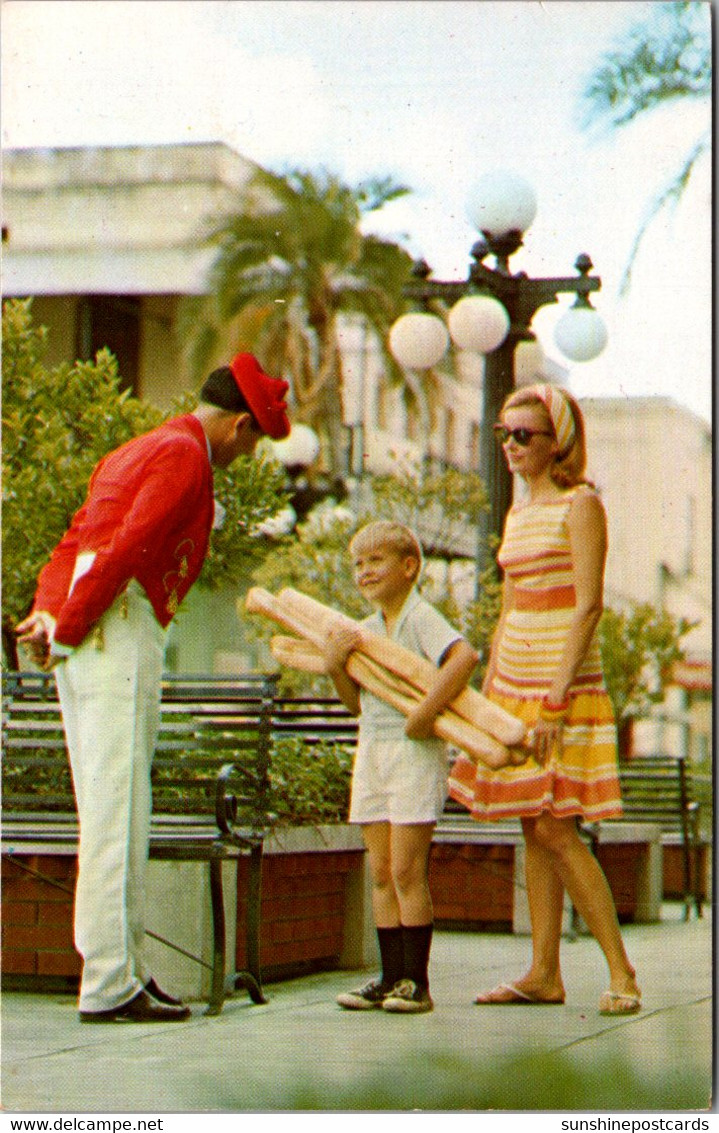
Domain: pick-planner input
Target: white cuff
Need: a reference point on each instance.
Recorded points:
(57, 649)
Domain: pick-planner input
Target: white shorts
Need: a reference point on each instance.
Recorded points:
(399, 781)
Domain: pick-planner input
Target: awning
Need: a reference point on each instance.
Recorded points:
(695, 676)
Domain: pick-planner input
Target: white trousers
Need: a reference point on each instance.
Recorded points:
(109, 691)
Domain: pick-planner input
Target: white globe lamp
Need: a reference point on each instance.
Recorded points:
(502, 202)
(478, 323)
(299, 449)
(581, 334)
(418, 340)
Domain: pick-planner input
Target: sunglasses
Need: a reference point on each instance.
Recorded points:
(523, 437)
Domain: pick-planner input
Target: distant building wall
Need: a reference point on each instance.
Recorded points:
(122, 221)
(652, 461)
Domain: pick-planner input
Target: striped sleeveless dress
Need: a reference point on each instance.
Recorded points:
(583, 781)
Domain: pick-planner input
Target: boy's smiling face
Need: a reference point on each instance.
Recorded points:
(383, 575)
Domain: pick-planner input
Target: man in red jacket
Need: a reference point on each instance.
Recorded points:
(101, 610)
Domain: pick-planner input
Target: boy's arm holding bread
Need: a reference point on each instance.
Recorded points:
(339, 643)
(452, 676)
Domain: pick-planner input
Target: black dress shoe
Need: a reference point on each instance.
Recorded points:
(142, 1009)
(153, 988)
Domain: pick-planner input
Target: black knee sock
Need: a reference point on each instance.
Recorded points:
(391, 950)
(417, 943)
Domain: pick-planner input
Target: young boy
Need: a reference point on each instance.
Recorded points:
(399, 782)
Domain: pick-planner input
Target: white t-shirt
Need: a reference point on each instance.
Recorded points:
(421, 629)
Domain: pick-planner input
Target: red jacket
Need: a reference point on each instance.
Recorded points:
(148, 515)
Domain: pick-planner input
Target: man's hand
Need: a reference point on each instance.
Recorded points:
(35, 635)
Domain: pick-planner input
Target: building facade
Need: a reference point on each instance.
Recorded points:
(108, 240)
(652, 461)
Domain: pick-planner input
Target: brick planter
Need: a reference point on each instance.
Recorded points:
(472, 886)
(37, 939)
(674, 871)
(316, 913)
(315, 902)
(620, 864)
(477, 877)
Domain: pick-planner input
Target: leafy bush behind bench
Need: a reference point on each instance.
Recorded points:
(309, 785)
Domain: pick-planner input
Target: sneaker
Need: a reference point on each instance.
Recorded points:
(364, 998)
(406, 997)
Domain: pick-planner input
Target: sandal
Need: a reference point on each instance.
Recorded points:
(507, 995)
(619, 1003)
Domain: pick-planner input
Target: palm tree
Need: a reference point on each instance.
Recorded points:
(656, 62)
(291, 260)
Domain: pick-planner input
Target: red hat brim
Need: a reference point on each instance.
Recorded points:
(264, 395)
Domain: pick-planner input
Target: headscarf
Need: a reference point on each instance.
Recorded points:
(560, 414)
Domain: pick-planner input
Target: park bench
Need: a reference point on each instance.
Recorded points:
(660, 789)
(210, 792)
(314, 719)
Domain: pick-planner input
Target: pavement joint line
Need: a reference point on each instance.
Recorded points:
(132, 1031)
(628, 1020)
(153, 1032)
(640, 1017)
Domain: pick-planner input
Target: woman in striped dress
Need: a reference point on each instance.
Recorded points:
(545, 667)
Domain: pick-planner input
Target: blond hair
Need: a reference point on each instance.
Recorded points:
(569, 467)
(391, 535)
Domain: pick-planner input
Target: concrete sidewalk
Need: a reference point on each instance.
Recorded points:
(301, 1052)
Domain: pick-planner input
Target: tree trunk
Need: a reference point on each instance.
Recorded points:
(9, 645)
(625, 739)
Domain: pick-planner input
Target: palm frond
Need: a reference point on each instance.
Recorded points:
(658, 61)
(373, 194)
(669, 195)
(655, 61)
(293, 255)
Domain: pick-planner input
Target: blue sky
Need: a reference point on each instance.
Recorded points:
(435, 93)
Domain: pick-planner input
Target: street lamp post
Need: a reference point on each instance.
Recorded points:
(492, 312)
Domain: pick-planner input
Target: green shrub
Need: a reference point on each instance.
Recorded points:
(639, 646)
(310, 785)
(58, 421)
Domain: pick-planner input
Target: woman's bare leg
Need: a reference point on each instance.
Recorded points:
(583, 877)
(545, 893)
